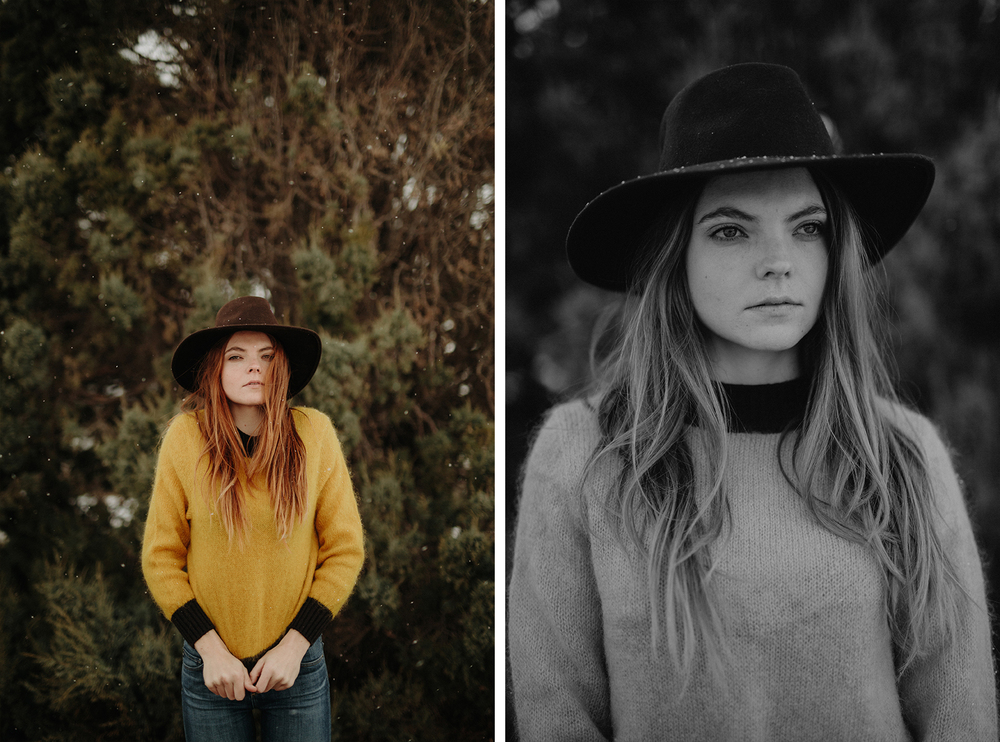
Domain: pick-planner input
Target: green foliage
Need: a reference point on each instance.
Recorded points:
(130, 456)
(325, 295)
(208, 298)
(428, 556)
(306, 95)
(37, 186)
(24, 368)
(337, 387)
(123, 305)
(26, 262)
(24, 351)
(395, 709)
(333, 285)
(73, 97)
(395, 340)
(98, 672)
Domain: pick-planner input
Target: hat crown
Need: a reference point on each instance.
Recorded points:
(739, 112)
(246, 310)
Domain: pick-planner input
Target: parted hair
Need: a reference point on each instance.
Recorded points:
(862, 474)
(279, 457)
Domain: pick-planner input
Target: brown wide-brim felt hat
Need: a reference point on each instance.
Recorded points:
(744, 117)
(253, 314)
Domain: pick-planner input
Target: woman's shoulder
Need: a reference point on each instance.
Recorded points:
(312, 414)
(182, 427)
(182, 437)
(917, 426)
(925, 434)
(556, 467)
(569, 431)
(571, 421)
(313, 424)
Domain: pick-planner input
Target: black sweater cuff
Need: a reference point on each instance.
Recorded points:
(191, 621)
(311, 619)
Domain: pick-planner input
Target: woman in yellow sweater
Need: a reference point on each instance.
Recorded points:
(253, 541)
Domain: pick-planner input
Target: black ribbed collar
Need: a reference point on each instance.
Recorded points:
(249, 442)
(764, 408)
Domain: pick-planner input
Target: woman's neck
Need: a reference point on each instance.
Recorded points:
(247, 417)
(734, 364)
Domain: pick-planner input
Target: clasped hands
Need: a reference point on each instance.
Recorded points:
(227, 677)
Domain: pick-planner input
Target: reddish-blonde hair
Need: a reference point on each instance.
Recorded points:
(279, 456)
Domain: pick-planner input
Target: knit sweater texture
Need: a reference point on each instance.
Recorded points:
(812, 656)
(251, 593)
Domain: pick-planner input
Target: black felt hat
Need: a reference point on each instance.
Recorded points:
(744, 117)
(253, 314)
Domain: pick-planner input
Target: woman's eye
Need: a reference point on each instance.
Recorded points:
(267, 357)
(813, 229)
(233, 358)
(727, 233)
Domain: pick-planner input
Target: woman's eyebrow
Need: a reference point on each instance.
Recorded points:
(731, 212)
(241, 350)
(728, 212)
(810, 210)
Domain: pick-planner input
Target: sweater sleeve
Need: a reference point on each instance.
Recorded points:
(168, 535)
(340, 535)
(555, 631)
(950, 693)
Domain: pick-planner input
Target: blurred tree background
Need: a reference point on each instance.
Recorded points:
(160, 158)
(587, 83)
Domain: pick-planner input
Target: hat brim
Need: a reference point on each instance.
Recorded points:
(604, 242)
(302, 346)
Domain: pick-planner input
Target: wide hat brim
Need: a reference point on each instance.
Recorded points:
(742, 118)
(886, 191)
(302, 346)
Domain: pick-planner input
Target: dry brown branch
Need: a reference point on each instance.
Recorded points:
(380, 116)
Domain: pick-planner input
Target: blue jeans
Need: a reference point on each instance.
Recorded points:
(298, 714)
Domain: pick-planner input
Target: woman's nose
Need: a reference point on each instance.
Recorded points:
(776, 261)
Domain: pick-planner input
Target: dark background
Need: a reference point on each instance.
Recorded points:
(587, 83)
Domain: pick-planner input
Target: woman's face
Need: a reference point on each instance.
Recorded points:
(756, 268)
(248, 354)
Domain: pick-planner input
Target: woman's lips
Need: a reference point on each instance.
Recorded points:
(773, 302)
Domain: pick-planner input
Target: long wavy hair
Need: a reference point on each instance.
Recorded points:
(862, 475)
(279, 457)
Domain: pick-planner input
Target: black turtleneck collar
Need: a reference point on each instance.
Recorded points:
(249, 442)
(764, 408)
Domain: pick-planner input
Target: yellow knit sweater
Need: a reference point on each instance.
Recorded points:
(251, 594)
